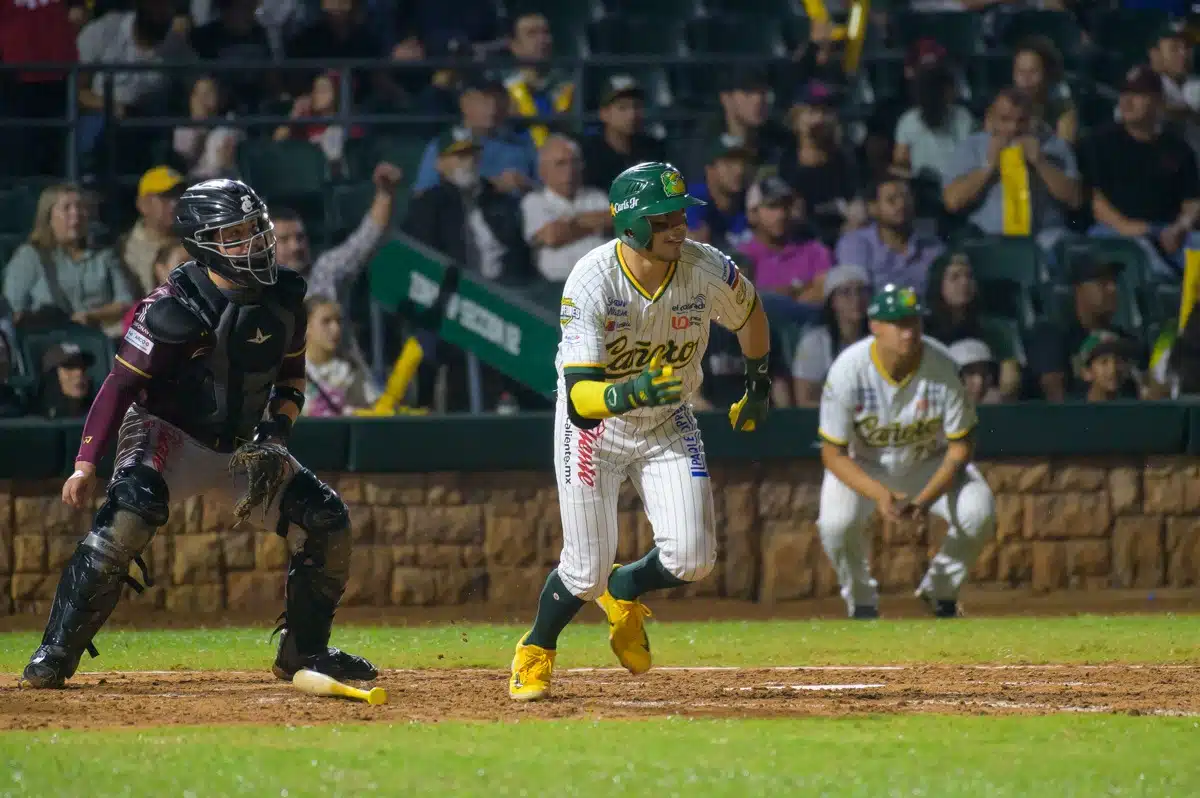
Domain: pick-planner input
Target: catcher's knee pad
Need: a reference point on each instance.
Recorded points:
(137, 506)
(313, 506)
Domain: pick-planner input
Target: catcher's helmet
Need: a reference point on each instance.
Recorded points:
(648, 189)
(206, 209)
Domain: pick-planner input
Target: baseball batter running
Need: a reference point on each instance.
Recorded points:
(635, 319)
(895, 427)
(210, 374)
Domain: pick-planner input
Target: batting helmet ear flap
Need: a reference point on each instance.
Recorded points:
(637, 233)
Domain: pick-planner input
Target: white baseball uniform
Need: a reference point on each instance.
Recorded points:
(609, 321)
(897, 432)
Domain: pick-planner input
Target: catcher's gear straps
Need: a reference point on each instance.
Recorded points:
(138, 504)
(313, 506)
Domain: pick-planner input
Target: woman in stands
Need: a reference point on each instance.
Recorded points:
(337, 384)
(58, 276)
(954, 315)
(1038, 71)
(847, 291)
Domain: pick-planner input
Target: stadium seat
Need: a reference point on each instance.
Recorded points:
(1058, 26)
(1125, 34)
(8, 245)
(33, 345)
(1007, 329)
(959, 32)
(652, 79)
(1008, 271)
(348, 203)
(636, 36)
(17, 208)
(403, 151)
(678, 9)
(774, 8)
(283, 169)
(741, 34)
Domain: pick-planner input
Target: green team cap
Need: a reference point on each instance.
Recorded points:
(894, 304)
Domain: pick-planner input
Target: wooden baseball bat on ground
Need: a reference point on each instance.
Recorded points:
(314, 683)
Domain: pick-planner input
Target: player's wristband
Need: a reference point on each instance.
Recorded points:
(758, 376)
(286, 393)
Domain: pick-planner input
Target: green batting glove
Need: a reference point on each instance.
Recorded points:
(655, 386)
(751, 409)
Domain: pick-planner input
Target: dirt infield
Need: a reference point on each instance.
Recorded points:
(144, 699)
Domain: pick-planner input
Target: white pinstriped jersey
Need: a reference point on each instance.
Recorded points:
(892, 425)
(609, 321)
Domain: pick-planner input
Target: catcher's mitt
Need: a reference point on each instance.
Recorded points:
(267, 467)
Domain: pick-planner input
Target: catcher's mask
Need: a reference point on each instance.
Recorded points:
(226, 227)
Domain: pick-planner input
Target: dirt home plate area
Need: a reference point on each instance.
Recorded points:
(143, 699)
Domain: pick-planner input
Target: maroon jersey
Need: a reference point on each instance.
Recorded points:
(202, 359)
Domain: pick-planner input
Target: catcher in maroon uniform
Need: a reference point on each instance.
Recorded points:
(201, 399)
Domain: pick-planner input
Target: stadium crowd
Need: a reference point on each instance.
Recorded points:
(1038, 187)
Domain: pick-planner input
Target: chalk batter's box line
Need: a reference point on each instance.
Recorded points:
(699, 669)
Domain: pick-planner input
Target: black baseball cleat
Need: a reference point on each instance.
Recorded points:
(865, 612)
(332, 662)
(941, 608)
(49, 668)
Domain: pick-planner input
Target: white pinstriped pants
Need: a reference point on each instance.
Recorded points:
(670, 472)
(968, 507)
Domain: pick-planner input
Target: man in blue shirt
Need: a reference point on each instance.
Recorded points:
(722, 221)
(507, 158)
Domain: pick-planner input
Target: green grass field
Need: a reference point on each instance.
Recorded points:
(884, 755)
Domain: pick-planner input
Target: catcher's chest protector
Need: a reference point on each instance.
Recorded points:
(229, 380)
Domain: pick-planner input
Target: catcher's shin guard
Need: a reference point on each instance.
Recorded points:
(87, 594)
(316, 579)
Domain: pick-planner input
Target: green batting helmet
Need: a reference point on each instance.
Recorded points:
(648, 189)
(894, 303)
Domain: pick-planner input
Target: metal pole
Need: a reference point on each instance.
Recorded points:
(474, 383)
(72, 115)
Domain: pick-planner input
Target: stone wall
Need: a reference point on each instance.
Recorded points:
(451, 538)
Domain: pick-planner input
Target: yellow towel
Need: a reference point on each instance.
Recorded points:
(1191, 285)
(1014, 185)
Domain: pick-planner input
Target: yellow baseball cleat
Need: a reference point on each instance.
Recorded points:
(531, 669)
(627, 631)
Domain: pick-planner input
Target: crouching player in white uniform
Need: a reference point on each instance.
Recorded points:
(635, 319)
(895, 427)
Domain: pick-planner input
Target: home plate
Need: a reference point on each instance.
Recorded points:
(778, 687)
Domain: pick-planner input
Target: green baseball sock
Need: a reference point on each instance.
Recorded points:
(633, 580)
(556, 607)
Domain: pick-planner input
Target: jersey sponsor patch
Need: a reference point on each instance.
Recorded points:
(732, 275)
(567, 312)
(139, 341)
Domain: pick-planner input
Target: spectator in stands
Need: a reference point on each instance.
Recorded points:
(66, 390)
(1051, 345)
(158, 190)
(321, 101)
(536, 90)
(820, 169)
(886, 110)
(1011, 179)
(342, 31)
(32, 33)
(745, 115)
(337, 384)
(1171, 58)
(468, 218)
(1143, 177)
(144, 35)
(235, 35)
(1104, 364)
(207, 152)
(12, 402)
(724, 372)
(507, 157)
(978, 369)
(1038, 72)
(890, 249)
(847, 291)
(622, 142)
(954, 316)
(564, 220)
(722, 221)
(335, 270)
(57, 276)
(786, 258)
(928, 133)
